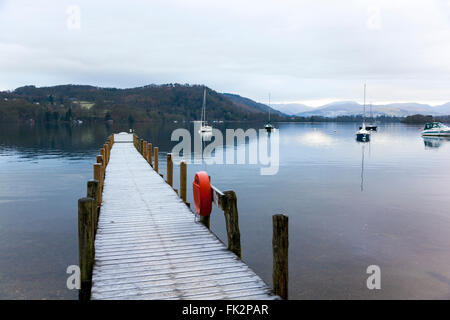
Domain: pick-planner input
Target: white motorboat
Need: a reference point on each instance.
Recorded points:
(436, 129)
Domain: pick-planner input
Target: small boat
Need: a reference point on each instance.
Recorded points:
(363, 134)
(435, 129)
(268, 126)
(372, 126)
(204, 125)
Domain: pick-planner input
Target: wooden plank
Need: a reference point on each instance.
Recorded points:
(148, 245)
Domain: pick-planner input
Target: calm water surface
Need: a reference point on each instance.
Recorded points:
(350, 205)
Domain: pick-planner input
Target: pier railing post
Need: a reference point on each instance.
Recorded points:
(86, 245)
(101, 160)
(141, 144)
(92, 192)
(280, 247)
(156, 158)
(109, 151)
(98, 176)
(183, 183)
(144, 152)
(105, 146)
(232, 223)
(149, 155)
(102, 153)
(169, 170)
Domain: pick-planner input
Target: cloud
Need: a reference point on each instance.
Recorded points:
(297, 50)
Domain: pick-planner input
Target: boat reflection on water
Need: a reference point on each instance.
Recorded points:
(362, 167)
(434, 142)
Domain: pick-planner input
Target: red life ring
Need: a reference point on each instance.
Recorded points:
(201, 187)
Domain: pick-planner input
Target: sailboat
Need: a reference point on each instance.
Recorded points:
(268, 126)
(363, 134)
(372, 126)
(204, 125)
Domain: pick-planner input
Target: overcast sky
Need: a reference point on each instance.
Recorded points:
(309, 52)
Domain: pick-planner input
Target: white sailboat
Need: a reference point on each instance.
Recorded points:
(363, 134)
(204, 125)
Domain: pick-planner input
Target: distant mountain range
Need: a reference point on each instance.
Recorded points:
(173, 102)
(250, 105)
(292, 108)
(348, 108)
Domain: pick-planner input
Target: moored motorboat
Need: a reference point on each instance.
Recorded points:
(435, 129)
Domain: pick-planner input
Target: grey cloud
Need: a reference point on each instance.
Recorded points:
(297, 50)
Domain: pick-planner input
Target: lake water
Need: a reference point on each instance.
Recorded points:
(350, 205)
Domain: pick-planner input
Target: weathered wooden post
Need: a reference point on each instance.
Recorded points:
(92, 192)
(232, 222)
(109, 150)
(98, 177)
(183, 178)
(280, 247)
(169, 170)
(206, 221)
(141, 144)
(105, 146)
(85, 245)
(156, 158)
(144, 151)
(100, 159)
(149, 156)
(102, 153)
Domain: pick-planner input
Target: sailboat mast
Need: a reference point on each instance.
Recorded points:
(364, 114)
(269, 107)
(204, 107)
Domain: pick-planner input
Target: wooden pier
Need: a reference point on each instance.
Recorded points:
(148, 243)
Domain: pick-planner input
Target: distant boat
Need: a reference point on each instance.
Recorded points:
(363, 134)
(268, 126)
(435, 129)
(371, 126)
(204, 125)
